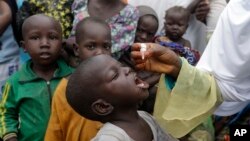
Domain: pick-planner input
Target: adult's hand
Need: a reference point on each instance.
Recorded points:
(157, 59)
(202, 10)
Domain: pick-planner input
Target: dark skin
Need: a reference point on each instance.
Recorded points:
(175, 26)
(95, 39)
(146, 29)
(114, 80)
(104, 9)
(5, 16)
(42, 40)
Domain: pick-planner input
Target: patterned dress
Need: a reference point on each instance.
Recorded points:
(123, 25)
(59, 9)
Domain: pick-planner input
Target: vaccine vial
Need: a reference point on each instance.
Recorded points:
(143, 49)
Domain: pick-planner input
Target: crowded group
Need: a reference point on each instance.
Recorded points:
(124, 70)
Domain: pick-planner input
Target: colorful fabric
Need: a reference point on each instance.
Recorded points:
(26, 101)
(191, 55)
(59, 9)
(65, 124)
(175, 109)
(123, 25)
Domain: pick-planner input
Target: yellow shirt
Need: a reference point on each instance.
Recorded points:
(65, 124)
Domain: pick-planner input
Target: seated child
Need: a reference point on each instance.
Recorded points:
(110, 93)
(25, 106)
(176, 23)
(93, 37)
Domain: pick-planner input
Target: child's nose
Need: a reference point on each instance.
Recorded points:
(44, 42)
(99, 51)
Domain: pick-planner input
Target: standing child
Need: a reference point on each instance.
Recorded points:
(176, 23)
(25, 106)
(145, 33)
(93, 37)
(110, 93)
(121, 17)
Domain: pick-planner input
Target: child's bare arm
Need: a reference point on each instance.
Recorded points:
(187, 43)
(5, 16)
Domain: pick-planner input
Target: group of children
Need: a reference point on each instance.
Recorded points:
(45, 101)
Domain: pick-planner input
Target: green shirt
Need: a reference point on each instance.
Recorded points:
(25, 105)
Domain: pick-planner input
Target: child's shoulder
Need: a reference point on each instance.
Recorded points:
(111, 132)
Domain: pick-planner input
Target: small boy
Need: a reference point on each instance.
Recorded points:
(176, 23)
(110, 93)
(147, 25)
(93, 37)
(25, 106)
(145, 33)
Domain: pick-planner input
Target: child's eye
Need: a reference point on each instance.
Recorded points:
(139, 30)
(115, 76)
(107, 46)
(34, 37)
(52, 37)
(90, 47)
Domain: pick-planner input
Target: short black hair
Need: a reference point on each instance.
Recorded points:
(178, 9)
(31, 18)
(80, 27)
(81, 90)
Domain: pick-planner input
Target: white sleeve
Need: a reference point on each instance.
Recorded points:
(216, 7)
(227, 56)
(105, 138)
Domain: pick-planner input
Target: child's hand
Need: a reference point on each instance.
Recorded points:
(157, 59)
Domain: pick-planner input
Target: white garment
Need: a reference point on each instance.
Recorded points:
(227, 56)
(111, 132)
(196, 32)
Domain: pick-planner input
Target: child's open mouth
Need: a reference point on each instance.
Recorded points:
(140, 83)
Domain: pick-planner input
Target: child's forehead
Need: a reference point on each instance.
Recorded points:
(40, 22)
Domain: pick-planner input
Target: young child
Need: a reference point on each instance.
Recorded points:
(121, 17)
(145, 33)
(25, 106)
(147, 25)
(176, 23)
(93, 37)
(110, 93)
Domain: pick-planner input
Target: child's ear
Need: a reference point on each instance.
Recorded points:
(22, 43)
(101, 107)
(76, 49)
